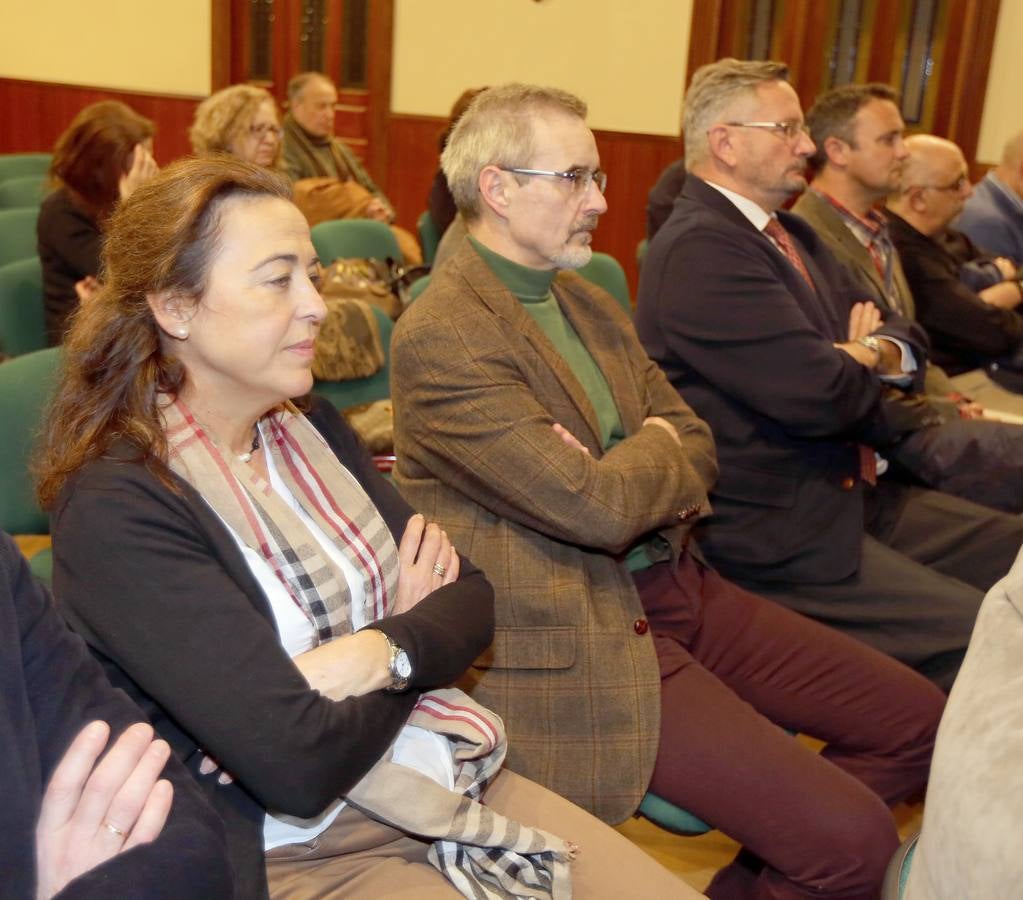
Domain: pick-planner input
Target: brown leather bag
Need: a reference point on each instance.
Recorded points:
(348, 345)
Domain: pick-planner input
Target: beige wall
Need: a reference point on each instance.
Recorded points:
(143, 45)
(1003, 111)
(626, 58)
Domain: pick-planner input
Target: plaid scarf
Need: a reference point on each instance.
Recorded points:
(482, 853)
(324, 488)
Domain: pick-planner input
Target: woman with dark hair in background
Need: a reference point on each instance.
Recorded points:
(105, 153)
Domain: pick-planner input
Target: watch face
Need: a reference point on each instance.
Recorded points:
(403, 665)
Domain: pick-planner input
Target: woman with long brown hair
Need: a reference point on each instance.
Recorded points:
(104, 154)
(246, 574)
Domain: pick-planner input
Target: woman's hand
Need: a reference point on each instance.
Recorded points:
(426, 561)
(91, 812)
(143, 167)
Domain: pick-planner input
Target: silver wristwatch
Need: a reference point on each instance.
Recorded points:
(399, 665)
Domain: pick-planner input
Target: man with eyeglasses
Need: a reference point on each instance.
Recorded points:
(859, 134)
(772, 343)
(530, 423)
(969, 327)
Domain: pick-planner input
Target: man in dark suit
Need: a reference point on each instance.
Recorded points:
(730, 305)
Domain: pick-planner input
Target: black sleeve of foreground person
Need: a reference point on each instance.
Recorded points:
(156, 584)
(52, 688)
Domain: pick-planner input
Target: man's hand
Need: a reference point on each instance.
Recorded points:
(562, 432)
(377, 209)
(1006, 267)
(666, 425)
(864, 320)
(90, 813)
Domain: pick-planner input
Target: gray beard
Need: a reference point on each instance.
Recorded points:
(573, 257)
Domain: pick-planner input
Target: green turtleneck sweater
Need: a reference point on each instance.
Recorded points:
(532, 288)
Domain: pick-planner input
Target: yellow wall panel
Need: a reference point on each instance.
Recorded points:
(162, 46)
(1003, 113)
(625, 58)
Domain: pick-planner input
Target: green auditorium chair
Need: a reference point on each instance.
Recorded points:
(17, 234)
(429, 237)
(354, 238)
(22, 322)
(14, 165)
(897, 874)
(26, 190)
(604, 270)
(418, 286)
(26, 384)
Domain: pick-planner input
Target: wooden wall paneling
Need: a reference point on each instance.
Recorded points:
(963, 77)
(220, 44)
(885, 27)
(705, 31)
(42, 110)
(332, 42)
(378, 82)
(411, 165)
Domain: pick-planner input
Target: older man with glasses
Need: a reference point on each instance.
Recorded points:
(530, 423)
(972, 322)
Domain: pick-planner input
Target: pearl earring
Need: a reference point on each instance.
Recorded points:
(183, 333)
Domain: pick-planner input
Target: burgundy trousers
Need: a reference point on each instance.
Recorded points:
(736, 670)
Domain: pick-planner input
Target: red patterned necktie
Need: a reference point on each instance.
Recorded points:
(776, 231)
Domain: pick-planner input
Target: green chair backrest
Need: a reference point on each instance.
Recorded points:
(26, 384)
(377, 386)
(26, 190)
(359, 238)
(14, 165)
(604, 270)
(417, 287)
(22, 322)
(641, 249)
(429, 236)
(17, 234)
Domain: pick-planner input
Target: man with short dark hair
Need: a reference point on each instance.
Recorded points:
(530, 423)
(764, 333)
(858, 131)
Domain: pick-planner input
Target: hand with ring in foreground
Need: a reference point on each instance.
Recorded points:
(93, 811)
(427, 561)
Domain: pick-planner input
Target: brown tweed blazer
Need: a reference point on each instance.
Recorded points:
(476, 388)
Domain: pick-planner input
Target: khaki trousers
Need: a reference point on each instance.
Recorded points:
(359, 857)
